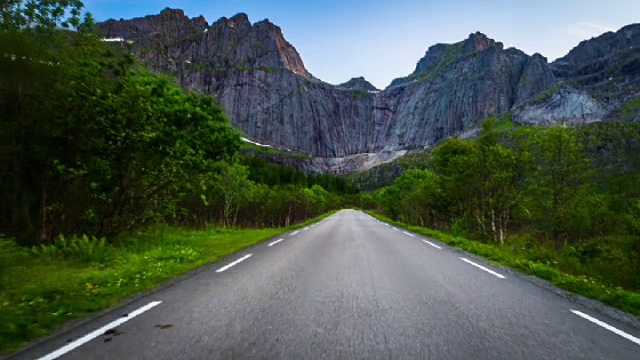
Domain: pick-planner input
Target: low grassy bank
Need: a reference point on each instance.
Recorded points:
(528, 262)
(44, 287)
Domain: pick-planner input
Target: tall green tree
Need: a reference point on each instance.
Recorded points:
(40, 14)
(560, 175)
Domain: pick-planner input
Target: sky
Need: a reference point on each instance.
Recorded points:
(384, 39)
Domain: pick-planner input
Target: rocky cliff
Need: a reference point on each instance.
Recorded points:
(606, 67)
(268, 93)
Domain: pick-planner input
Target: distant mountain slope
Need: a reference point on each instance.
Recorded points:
(607, 67)
(358, 83)
(268, 93)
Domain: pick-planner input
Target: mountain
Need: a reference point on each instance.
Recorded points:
(267, 92)
(358, 83)
(607, 67)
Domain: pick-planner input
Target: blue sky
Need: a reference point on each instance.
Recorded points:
(383, 39)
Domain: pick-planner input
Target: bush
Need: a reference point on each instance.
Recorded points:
(82, 249)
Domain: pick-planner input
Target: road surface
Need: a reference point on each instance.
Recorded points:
(349, 287)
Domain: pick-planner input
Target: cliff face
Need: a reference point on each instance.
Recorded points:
(607, 67)
(268, 93)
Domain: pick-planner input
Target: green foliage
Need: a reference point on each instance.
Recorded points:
(413, 197)
(82, 249)
(98, 145)
(567, 198)
(631, 108)
(272, 174)
(40, 14)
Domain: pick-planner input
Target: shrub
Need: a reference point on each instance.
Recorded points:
(83, 249)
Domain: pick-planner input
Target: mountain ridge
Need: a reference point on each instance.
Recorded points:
(261, 81)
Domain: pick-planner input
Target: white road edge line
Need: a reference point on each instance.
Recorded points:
(85, 339)
(294, 233)
(275, 242)
(432, 244)
(234, 263)
(607, 326)
(483, 268)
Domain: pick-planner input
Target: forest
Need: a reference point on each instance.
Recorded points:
(564, 196)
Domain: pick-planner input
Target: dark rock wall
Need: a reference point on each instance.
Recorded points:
(268, 93)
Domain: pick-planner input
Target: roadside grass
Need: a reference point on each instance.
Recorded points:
(44, 287)
(534, 263)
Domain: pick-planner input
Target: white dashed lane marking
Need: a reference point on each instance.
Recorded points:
(432, 244)
(275, 242)
(483, 268)
(226, 267)
(607, 326)
(85, 339)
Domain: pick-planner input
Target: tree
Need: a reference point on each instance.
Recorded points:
(561, 172)
(481, 180)
(230, 182)
(97, 145)
(40, 14)
(319, 199)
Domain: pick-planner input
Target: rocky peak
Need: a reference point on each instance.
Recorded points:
(169, 24)
(479, 42)
(607, 66)
(240, 21)
(172, 13)
(358, 83)
(433, 54)
(289, 56)
(627, 38)
(227, 43)
(440, 56)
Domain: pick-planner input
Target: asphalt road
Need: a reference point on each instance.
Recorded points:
(349, 287)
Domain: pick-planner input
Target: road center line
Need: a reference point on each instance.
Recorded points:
(233, 263)
(607, 326)
(406, 233)
(307, 228)
(432, 244)
(275, 242)
(483, 268)
(294, 233)
(85, 339)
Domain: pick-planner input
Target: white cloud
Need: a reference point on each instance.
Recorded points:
(587, 30)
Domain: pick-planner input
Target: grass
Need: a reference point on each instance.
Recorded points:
(531, 263)
(45, 287)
